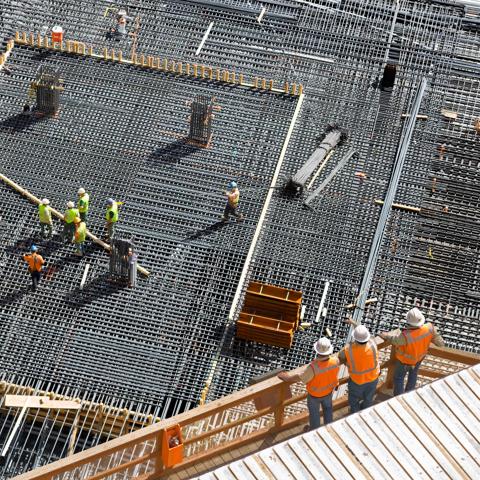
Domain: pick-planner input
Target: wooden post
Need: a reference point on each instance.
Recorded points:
(391, 369)
(150, 61)
(217, 74)
(280, 409)
(24, 37)
(195, 70)
(17, 36)
(90, 50)
(187, 69)
(165, 65)
(240, 79)
(158, 463)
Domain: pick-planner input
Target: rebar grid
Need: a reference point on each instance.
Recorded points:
(119, 133)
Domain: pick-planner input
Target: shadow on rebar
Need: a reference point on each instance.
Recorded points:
(99, 287)
(19, 122)
(14, 296)
(215, 227)
(173, 152)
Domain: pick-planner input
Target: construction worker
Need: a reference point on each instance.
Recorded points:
(231, 208)
(411, 345)
(35, 264)
(69, 227)
(111, 217)
(80, 236)
(321, 378)
(82, 204)
(361, 358)
(45, 217)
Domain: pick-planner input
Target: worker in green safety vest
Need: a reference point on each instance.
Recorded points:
(45, 217)
(69, 226)
(80, 236)
(111, 217)
(82, 204)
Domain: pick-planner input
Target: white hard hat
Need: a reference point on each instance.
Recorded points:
(361, 334)
(81, 191)
(415, 317)
(323, 346)
(70, 205)
(45, 201)
(121, 12)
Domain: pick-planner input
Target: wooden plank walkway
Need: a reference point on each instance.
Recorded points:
(430, 433)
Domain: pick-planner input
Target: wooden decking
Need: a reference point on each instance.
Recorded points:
(226, 429)
(430, 433)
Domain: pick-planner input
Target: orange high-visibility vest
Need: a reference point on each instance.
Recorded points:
(362, 362)
(326, 377)
(35, 262)
(418, 341)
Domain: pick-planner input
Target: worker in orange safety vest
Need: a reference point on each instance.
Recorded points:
(35, 264)
(361, 358)
(321, 379)
(411, 345)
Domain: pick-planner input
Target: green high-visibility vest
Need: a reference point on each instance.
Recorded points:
(45, 214)
(81, 233)
(70, 215)
(83, 203)
(112, 208)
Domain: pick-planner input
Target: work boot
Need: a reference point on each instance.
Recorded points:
(240, 218)
(223, 218)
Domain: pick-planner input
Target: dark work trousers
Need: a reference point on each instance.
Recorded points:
(229, 210)
(46, 230)
(400, 372)
(68, 232)
(36, 275)
(83, 216)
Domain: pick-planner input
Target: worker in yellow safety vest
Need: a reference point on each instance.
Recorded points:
(111, 217)
(361, 358)
(80, 236)
(45, 217)
(233, 198)
(82, 204)
(321, 379)
(411, 345)
(69, 217)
